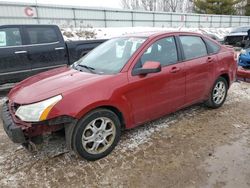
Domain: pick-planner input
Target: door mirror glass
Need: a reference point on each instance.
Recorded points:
(148, 67)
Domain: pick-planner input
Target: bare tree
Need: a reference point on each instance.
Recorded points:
(125, 4)
(187, 6)
(149, 5)
(158, 5)
(130, 4)
(164, 6)
(173, 5)
(241, 7)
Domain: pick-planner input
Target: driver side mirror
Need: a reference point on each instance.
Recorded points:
(148, 67)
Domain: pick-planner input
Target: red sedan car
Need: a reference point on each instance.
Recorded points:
(121, 84)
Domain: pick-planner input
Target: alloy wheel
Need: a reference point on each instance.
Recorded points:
(98, 135)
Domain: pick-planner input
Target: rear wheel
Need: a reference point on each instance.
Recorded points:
(97, 134)
(218, 93)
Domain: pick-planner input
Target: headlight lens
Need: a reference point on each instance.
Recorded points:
(38, 111)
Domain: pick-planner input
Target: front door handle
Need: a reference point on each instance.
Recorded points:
(175, 70)
(21, 52)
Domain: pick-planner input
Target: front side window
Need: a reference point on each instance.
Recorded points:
(163, 51)
(111, 56)
(193, 47)
(10, 37)
(40, 35)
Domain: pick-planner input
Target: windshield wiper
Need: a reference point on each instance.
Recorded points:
(91, 69)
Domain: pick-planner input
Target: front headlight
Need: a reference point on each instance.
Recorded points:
(38, 111)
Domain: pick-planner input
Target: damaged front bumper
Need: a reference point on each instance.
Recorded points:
(22, 132)
(14, 132)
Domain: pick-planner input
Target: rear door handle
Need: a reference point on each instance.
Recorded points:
(21, 52)
(175, 70)
(59, 48)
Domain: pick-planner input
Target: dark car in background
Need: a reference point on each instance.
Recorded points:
(26, 50)
(236, 36)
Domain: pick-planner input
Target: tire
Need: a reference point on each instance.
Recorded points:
(220, 88)
(96, 135)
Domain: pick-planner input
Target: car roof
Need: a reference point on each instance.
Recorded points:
(152, 34)
(240, 29)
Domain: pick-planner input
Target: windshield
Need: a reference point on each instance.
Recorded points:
(110, 57)
(240, 29)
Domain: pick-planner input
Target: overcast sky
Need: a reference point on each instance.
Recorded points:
(90, 3)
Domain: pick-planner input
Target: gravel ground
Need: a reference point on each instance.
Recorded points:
(195, 147)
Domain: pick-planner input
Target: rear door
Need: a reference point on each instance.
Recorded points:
(14, 64)
(199, 68)
(46, 48)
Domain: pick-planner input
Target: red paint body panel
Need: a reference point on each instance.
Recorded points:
(138, 98)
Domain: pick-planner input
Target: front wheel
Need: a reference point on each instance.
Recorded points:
(97, 134)
(218, 93)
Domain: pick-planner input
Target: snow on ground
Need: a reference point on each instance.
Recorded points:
(2, 100)
(140, 135)
(106, 33)
(240, 90)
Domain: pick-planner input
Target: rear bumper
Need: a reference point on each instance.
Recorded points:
(14, 132)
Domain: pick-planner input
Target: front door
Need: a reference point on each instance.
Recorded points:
(163, 92)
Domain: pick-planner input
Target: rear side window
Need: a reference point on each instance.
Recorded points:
(193, 47)
(10, 37)
(40, 35)
(212, 47)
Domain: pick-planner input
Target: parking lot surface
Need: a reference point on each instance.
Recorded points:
(195, 147)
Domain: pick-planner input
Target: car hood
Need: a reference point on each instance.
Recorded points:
(49, 84)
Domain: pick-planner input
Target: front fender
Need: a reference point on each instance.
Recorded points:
(122, 106)
(109, 92)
